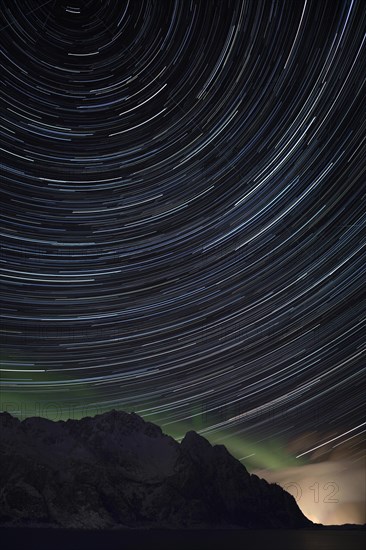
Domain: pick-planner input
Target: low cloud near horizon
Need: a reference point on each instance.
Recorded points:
(329, 492)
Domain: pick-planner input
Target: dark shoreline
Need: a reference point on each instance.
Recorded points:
(320, 538)
(228, 529)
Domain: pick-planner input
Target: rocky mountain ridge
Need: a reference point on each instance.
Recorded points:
(116, 470)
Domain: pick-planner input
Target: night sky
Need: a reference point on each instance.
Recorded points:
(183, 221)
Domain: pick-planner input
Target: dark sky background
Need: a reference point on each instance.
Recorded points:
(182, 226)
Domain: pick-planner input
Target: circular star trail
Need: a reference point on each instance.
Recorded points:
(183, 212)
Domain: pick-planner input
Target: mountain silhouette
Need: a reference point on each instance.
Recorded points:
(117, 470)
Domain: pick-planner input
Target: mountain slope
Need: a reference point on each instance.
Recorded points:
(117, 470)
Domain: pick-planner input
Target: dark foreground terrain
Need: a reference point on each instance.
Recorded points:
(61, 539)
(116, 470)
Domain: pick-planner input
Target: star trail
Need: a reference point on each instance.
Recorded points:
(183, 218)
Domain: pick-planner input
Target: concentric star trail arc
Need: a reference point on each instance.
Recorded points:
(182, 192)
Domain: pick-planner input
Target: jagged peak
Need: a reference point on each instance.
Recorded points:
(193, 438)
(6, 419)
